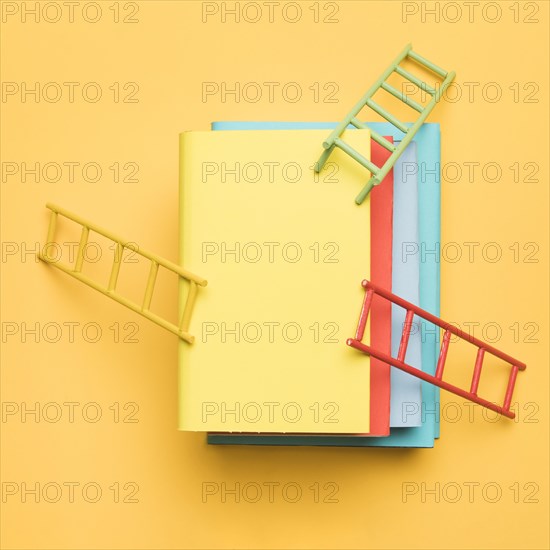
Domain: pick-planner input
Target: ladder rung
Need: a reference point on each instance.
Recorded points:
(51, 233)
(477, 371)
(402, 97)
(411, 78)
(405, 335)
(119, 251)
(186, 316)
(51, 227)
(443, 355)
(423, 61)
(357, 156)
(510, 387)
(358, 124)
(367, 301)
(388, 116)
(81, 245)
(381, 140)
(150, 285)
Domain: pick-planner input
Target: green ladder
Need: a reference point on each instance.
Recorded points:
(379, 173)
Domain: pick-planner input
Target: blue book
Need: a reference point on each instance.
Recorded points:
(429, 229)
(406, 390)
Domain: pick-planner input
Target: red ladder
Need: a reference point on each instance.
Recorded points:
(399, 362)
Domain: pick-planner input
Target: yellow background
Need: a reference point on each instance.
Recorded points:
(170, 52)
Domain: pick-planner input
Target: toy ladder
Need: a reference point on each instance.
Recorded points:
(378, 174)
(110, 290)
(399, 362)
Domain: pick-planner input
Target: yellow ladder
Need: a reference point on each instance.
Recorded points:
(182, 330)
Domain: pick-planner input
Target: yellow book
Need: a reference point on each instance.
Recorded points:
(284, 251)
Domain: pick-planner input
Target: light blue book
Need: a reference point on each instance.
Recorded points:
(429, 201)
(406, 390)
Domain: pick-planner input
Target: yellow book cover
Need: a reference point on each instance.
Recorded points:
(284, 251)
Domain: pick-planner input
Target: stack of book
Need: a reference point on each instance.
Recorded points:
(284, 250)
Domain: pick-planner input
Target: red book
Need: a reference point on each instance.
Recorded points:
(381, 219)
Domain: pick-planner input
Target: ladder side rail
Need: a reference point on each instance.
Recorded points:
(362, 102)
(429, 378)
(124, 301)
(443, 324)
(127, 244)
(407, 138)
